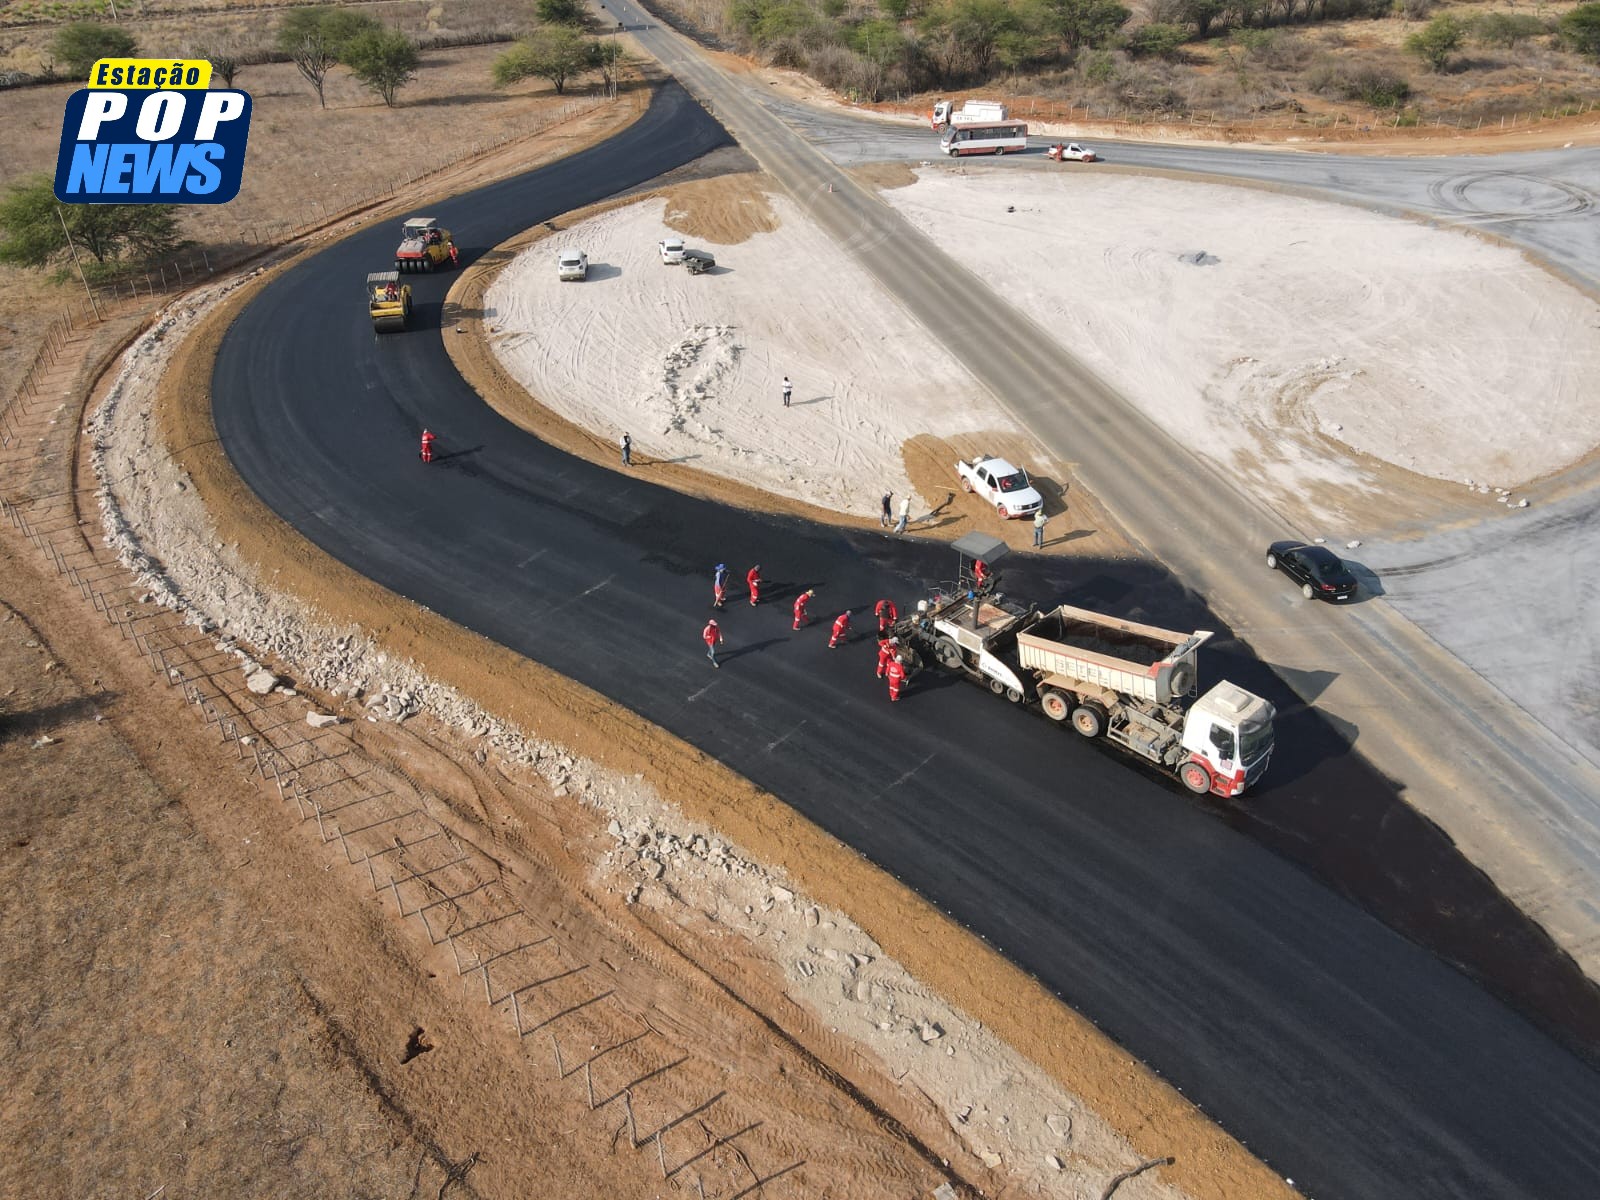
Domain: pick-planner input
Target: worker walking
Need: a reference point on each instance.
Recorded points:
(712, 636)
(886, 613)
(753, 580)
(627, 451)
(801, 617)
(897, 678)
(788, 391)
(719, 585)
(888, 651)
(841, 629)
(905, 514)
(1038, 528)
(428, 439)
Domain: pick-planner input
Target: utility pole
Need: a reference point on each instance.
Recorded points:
(73, 246)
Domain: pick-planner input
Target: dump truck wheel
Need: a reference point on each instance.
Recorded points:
(1089, 720)
(1195, 777)
(948, 654)
(1056, 705)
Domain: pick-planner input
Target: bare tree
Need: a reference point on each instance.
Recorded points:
(314, 58)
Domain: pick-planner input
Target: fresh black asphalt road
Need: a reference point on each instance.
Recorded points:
(1348, 1057)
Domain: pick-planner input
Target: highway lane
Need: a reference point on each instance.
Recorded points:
(1516, 798)
(1344, 1054)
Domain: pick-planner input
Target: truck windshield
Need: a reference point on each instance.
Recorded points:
(1255, 739)
(1011, 483)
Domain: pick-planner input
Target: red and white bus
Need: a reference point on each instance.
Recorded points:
(984, 137)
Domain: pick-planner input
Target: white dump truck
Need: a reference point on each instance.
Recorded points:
(1130, 683)
(945, 113)
(1135, 684)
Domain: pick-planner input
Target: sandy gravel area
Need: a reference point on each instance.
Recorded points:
(1345, 365)
(693, 366)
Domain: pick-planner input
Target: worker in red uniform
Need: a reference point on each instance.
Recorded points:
(455, 255)
(980, 573)
(712, 636)
(753, 579)
(801, 617)
(428, 439)
(841, 629)
(888, 651)
(897, 678)
(886, 613)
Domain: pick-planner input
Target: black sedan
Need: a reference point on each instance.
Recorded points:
(1319, 571)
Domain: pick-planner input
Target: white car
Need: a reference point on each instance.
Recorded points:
(572, 264)
(1000, 484)
(671, 250)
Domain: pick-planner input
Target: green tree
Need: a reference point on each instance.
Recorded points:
(561, 12)
(1080, 24)
(80, 45)
(1202, 13)
(979, 27)
(1157, 40)
(31, 233)
(1505, 29)
(224, 62)
(316, 38)
(1580, 30)
(606, 58)
(385, 60)
(1436, 41)
(554, 52)
(895, 10)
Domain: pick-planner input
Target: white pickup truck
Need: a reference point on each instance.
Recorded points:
(1071, 152)
(671, 251)
(1000, 484)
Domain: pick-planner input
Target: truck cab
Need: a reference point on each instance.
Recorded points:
(1228, 734)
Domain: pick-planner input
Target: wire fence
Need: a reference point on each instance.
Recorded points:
(1289, 119)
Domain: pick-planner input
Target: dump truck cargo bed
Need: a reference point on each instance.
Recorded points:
(1145, 662)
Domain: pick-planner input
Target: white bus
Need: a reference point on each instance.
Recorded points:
(984, 137)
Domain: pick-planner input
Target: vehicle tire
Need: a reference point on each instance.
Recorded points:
(1089, 720)
(1195, 777)
(1000, 511)
(948, 654)
(954, 153)
(966, 484)
(1014, 695)
(1272, 561)
(1309, 592)
(999, 150)
(1057, 705)
(998, 688)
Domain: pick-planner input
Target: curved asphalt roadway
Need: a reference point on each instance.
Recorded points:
(1349, 1058)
